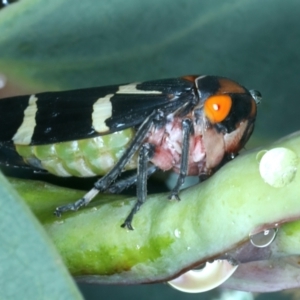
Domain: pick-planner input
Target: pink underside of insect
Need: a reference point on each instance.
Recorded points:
(203, 156)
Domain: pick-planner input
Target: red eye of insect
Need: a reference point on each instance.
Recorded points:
(216, 108)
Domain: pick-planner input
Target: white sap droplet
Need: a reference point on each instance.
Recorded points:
(264, 238)
(278, 166)
(177, 233)
(208, 278)
(2, 81)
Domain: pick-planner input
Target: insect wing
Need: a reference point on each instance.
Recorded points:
(54, 117)
(9, 157)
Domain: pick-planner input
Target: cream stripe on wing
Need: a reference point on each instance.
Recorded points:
(102, 110)
(24, 134)
(131, 89)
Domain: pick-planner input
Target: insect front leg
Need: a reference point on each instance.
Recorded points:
(146, 152)
(187, 129)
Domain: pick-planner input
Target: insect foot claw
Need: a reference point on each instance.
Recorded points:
(174, 196)
(71, 206)
(127, 224)
(57, 212)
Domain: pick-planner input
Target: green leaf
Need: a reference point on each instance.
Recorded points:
(30, 267)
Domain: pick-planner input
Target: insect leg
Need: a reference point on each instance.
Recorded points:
(145, 153)
(103, 183)
(123, 184)
(188, 129)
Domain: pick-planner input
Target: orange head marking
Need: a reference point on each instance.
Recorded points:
(217, 108)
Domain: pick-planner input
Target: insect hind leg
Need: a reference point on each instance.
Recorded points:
(88, 197)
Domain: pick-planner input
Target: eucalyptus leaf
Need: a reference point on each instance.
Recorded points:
(30, 267)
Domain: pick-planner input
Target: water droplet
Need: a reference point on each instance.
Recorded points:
(205, 279)
(278, 166)
(264, 238)
(260, 154)
(177, 233)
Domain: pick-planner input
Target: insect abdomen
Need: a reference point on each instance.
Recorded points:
(81, 158)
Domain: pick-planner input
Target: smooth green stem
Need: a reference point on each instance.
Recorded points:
(169, 236)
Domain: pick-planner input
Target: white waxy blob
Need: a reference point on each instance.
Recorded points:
(208, 278)
(264, 238)
(278, 166)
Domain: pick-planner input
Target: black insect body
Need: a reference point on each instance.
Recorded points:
(191, 124)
